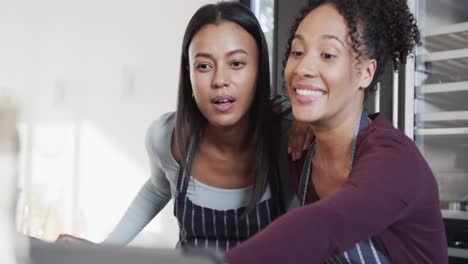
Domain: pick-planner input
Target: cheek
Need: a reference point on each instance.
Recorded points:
(200, 84)
(335, 78)
(339, 76)
(247, 81)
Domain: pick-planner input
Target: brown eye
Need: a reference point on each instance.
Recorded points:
(204, 67)
(237, 64)
(296, 53)
(327, 56)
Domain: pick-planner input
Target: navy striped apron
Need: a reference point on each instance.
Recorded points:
(203, 227)
(364, 252)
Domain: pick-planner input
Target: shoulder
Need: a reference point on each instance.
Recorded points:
(383, 145)
(159, 134)
(387, 152)
(381, 134)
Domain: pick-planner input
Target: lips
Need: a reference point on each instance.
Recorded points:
(308, 93)
(223, 103)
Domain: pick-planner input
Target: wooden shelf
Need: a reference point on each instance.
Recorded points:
(443, 88)
(453, 138)
(446, 55)
(446, 95)
(459, 131)
(457, 215)
(443, 116)
(450, 119)
(458, 253)
(449, 37)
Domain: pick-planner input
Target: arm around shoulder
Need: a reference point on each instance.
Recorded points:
(380, 191)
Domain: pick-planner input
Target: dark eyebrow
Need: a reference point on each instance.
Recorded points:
(332, 37)
(209, 56)
(203, 55)
(326, 36)
(237, 51)
(298, 36)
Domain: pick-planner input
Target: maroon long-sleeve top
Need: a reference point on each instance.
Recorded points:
(391, 195)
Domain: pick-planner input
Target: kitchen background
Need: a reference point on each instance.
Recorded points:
(90, 76)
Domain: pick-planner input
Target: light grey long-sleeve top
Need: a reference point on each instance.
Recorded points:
(162, 184)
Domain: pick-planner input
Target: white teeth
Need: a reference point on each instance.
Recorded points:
(225, 101)
(309, 92)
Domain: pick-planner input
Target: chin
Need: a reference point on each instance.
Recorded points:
(223, 121)
(303, 114)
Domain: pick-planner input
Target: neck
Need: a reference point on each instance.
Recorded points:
(333, 139)
(232, 139)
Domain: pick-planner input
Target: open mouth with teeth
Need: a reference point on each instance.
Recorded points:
(224, 101)
(304, 92)
(306, 96)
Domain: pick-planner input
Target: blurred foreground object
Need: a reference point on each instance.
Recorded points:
(13, 249)
(73, 239)
(86, 253)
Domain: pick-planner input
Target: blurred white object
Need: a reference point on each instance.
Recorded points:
(11, 246)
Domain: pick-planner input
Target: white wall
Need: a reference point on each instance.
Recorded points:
(90, 76)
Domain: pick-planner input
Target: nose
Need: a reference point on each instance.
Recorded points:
(307, 67)
(220, 78)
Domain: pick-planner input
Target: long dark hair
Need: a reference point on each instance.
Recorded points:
(389, 31)
(190, 121)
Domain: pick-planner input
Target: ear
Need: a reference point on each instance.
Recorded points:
(367, 73)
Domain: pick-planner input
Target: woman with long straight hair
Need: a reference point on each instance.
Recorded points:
(215, 154)
(218, 154)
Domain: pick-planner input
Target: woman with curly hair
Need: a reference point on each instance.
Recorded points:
(368, 194)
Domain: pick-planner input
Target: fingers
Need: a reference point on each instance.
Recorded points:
(70, 238)
(308, 139)
(65, 237)
(292, 149)
(291, 135)
(62, 237)
(297, 137)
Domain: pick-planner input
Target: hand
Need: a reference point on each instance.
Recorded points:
(72, 239)
(300, 137)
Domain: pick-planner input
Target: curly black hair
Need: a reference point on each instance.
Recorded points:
(387, 30)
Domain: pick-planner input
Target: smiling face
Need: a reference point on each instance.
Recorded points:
(324, 79)
(223, 62)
